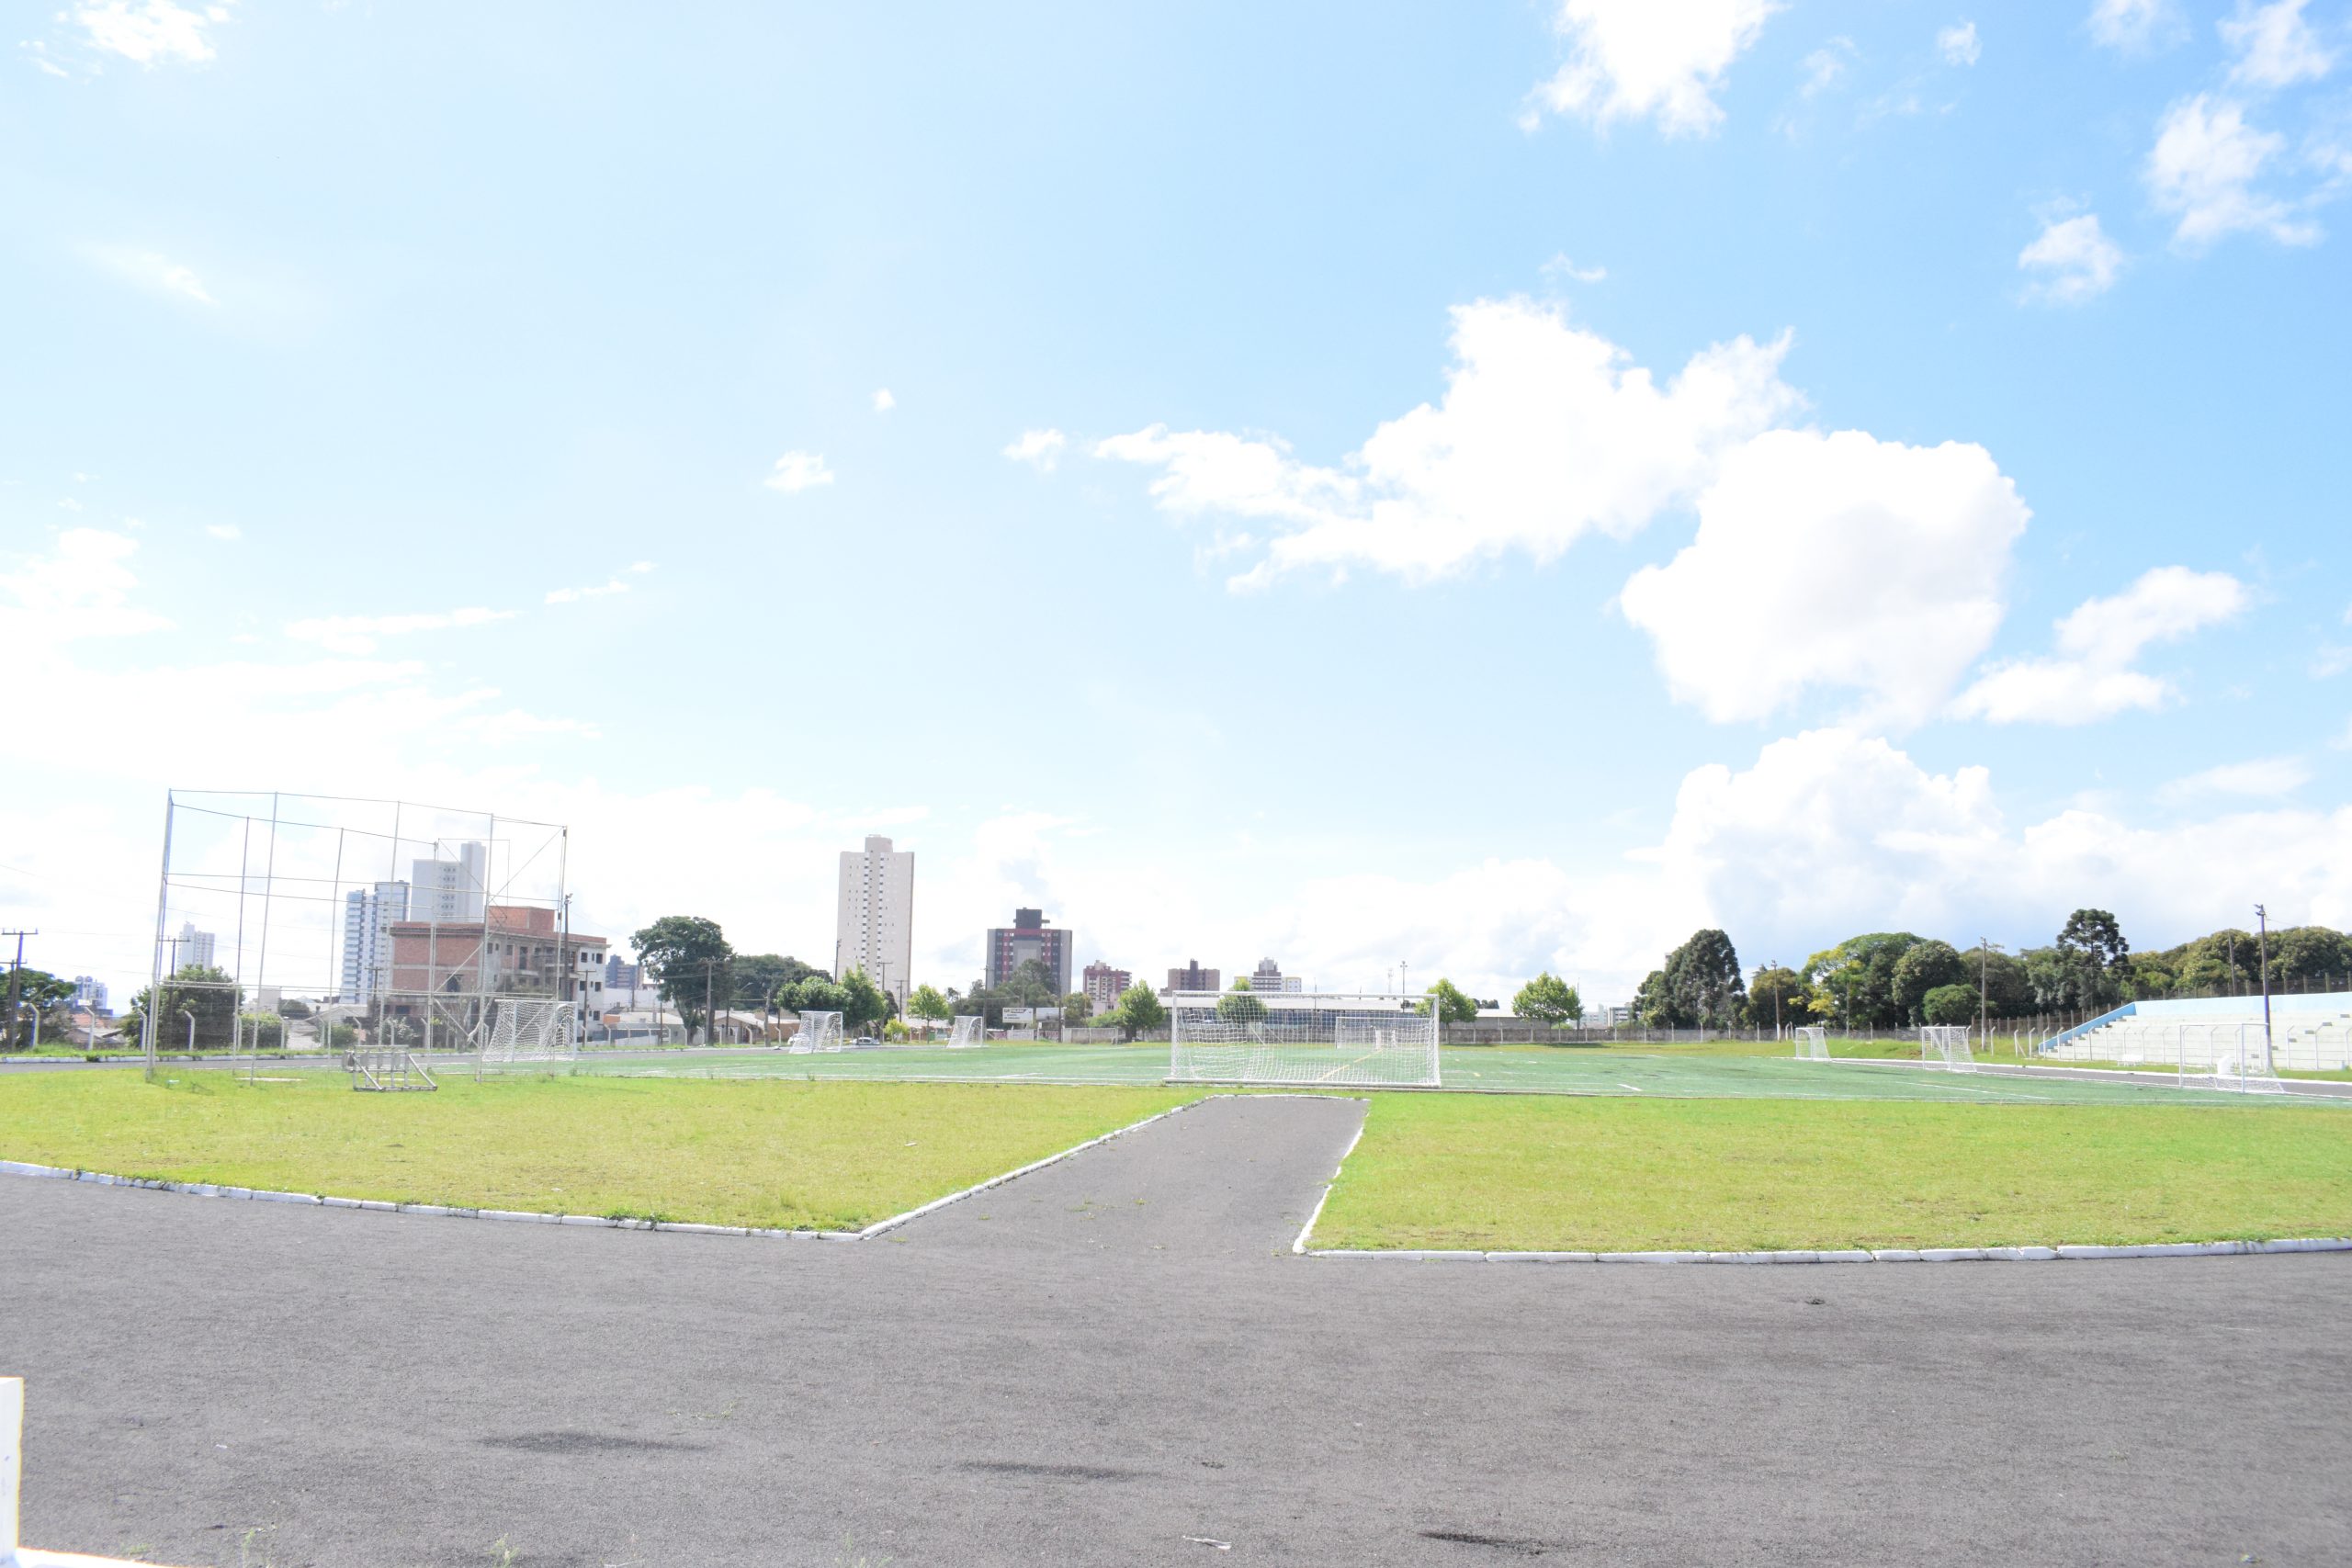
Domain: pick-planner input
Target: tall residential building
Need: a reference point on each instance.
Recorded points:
(90, 992)
(191, 946)
(1104, 983)
(367, 917)
(450, 891)
(1192, 977)
(1030, 936)
(877, 928)
(1269, 976)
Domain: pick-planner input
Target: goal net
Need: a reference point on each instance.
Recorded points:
(819, 1031)
(968, 1030)
(1302, 1038)
(524, 1032)
(2243, 1067)
(1945, 1045)
(1813, 1043)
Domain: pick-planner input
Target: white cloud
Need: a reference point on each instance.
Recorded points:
(641, 565)
(1041, 449)
(883, 401)
(2072, 260)
(82, 588)
(1833, 561)
(796, 471)
(1546, 431)
(69, 504)
(149, 270)
(2092, 676)
(1561, 266)
(2202, 171)
(2272, 46)
(359, 634)
(149, 31)
(2264, 778)
(224, 530)
(1959, 45)
(2134, 26)
(572, 595)
(1629, 59)
(1826, 66)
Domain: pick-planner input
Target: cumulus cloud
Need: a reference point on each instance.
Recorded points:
(150, 32)
(2092, 677)
(883, 401)
(1546, 431)
(1561, 266)
(150, 270)
(2264, 778)
(796, 471)
(1833, 561)
(2202, 172)
(80, 587)
(1041, 449)
(2134, 26)
(2072, 260)
(1959, 45)
(1825, 67)
(1635, 59)
(360, 634)
(2273, 46)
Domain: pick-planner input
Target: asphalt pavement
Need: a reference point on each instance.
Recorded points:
(1118, 1360)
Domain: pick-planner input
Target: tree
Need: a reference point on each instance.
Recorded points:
(1077, 1008)
(1031, 986)
(1452, 1006)
(864, 1004)
(1140, 1011)
(35, 991)
(2008, 988)
(1240, 983)
(2095, 933)
(690, 958)
(760, 976)
(926, 1003)
(1548, 1000)
(1704, 984)
(1857, 977)
(1921, 969)
(1239, 1005)
(195, 989)
(2309, 957)
(1950, 1005)
(1779, 998)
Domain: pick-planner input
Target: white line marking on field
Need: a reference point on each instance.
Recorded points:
(1308, 1228)
(1635, 1087)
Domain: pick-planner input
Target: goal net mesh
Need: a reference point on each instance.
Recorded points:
(529, 1031)
(1300, 1038)
(967, 1031)
(1813, 1044)
(1945, 1045)
(819, 1031)
(2243, 1067)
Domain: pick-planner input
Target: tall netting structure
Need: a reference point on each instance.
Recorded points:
(1945, 1045)
(1812, 1043)
(968, 1029)
(341, 924)
(1321, 1039)
(529, 1033)
(818, 1031)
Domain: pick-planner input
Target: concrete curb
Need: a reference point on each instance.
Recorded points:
(1886, 1255)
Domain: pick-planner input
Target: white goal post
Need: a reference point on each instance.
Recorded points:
(2241, 1067)
(1302, 1038)
(529, 1031)
(968, 1029)
(819, 1031)
(1813, 1043)
(1945, 1045)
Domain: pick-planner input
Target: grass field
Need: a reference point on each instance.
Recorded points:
(1631, 1175)
(795, 1156)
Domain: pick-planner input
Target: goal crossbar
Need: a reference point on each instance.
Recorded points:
(1945, 1046)
(1302, 1039)
(1812, 1043)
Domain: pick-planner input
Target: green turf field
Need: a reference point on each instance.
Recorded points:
(1547, 1174)
(794, 1156)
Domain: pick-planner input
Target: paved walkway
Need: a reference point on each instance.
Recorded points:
(1096, 1362)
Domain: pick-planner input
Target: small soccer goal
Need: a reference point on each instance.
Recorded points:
(819, 1031)
(530, 1034)
(1813, 1043)
(1302, 1039)
(968, 1029)
(2241, 1067)
(1945, 1046)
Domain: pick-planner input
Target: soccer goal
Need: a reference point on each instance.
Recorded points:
(819, 1031)
(2243, 1067)
(968, 1029)
(529, 1033)
(1945, 1045)
(1813, 1043)
(1301, 1038)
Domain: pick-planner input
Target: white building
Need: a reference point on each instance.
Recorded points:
(877, 928)
(191, 946)
(451, 890)
(367, 917)
(90, 992)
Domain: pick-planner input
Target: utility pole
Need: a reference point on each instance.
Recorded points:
(1771, 964)
(2262, 937)
(15, 978)
(709, 968)
(1985, 946)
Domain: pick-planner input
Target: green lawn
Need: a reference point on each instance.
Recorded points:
(783, 1154)
(1557, 1174)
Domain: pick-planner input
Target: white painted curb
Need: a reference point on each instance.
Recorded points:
(1885, 1255)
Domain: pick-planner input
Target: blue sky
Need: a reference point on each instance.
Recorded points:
(1484, 487)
